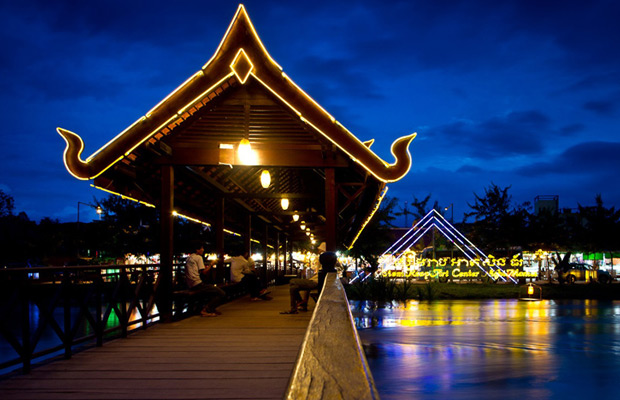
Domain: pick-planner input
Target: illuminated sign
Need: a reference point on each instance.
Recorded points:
(456, 273)
(458, 268)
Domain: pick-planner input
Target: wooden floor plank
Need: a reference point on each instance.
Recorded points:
(246, 353)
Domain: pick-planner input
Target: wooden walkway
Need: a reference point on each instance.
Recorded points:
(246, 353)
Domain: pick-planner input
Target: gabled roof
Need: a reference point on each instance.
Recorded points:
(242, 55)
(241, 93)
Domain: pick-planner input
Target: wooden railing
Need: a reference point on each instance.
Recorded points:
(331, 363)
(71, 306)
(50, 311)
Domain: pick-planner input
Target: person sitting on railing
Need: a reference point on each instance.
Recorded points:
(328, 261)
(210, 295)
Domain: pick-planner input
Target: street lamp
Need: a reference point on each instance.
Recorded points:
(452, 212)
(97, 208)
(99, 211)
(452, 222)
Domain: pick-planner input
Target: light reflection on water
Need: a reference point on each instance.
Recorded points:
(493, 349)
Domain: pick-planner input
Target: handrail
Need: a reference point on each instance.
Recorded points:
(72, 307)
(77, 304)
(331, 363)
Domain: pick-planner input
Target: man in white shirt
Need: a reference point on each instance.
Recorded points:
(242, 271)
(210, 295)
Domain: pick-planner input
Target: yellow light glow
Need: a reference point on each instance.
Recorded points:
(203, 94)
(163, 101)
(406, 138)
(241, 12)
(265, 179)
(124, 197)
(284, 203)
(242, 56)
(307, 233)
(245, 154)
(176, 214)
(530, 290)
(303, 226)
(369, 218)
(295, 217)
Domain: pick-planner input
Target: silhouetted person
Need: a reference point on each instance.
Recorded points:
(210, 295)
(328, 261)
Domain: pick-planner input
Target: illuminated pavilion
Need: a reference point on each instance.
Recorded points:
(185, 157)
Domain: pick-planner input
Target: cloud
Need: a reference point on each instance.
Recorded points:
(600, 158)
(515, 134)
(603, 108)
(571, 129)
(469, 169)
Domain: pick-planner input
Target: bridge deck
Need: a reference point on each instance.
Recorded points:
(246, 353)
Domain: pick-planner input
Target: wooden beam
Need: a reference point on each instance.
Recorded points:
(330, 209)
(247, 237)
(167, 245)
(267, 158)
(219, 233)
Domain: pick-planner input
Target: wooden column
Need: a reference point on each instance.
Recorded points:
(166, 207)
(247, 237)
(330, 209)
(219, 237)
(265, 249)
(285, 251)
(290, 257)
(277, 265)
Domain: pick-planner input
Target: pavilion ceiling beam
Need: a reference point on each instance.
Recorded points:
(272, 157)
(222, 190)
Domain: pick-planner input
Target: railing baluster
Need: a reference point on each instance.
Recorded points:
(26, 354)
(139, 296)
(123, 287)
(67, 339)
(98, 309)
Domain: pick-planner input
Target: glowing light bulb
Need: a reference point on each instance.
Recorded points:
(265, 179)
(245, 154)
(295, 217)
(284, 203)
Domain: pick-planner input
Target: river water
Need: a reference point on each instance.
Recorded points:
(493, 349)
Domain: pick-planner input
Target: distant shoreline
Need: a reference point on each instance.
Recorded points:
(464, 291)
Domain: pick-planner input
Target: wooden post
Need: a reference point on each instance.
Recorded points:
(247, 238)
(330, 209)
(277, 264)
(166, 207)
(265, 249)
(285, 251)
(219, 237)
(290, 257)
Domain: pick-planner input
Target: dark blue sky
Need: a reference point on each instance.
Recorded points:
(521, 93)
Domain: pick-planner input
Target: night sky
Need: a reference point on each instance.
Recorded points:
(520, 93)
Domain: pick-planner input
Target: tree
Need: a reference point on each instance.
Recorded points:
(7, 204)
(127, 227)
(547, 230)
(599, 227)
(420, 208)
(376, 236)
(496, 224)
